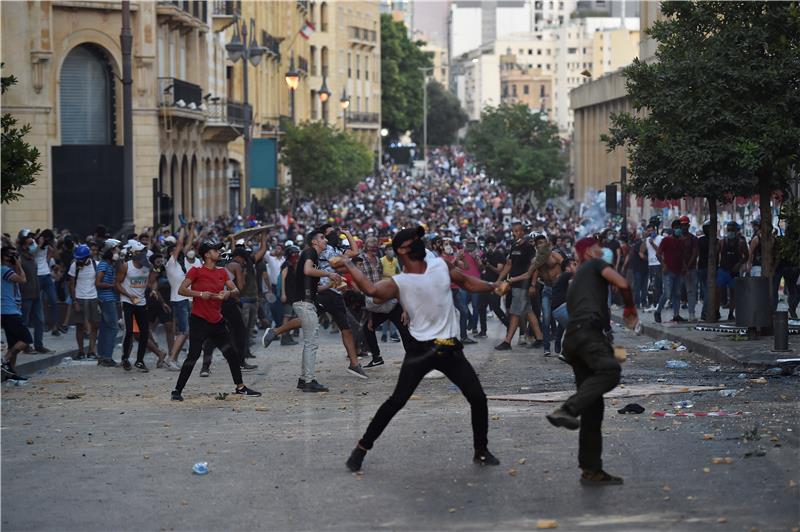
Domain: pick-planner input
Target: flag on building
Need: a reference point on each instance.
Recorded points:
(307, 30)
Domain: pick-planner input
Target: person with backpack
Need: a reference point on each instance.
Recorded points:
(85, 308)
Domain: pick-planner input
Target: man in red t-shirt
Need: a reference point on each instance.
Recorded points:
(670, 253)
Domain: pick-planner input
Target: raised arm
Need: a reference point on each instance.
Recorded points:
(179, 246)
(262, 250)
(382, 290)
(470, 283)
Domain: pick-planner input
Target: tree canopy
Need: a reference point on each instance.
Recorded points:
(519, 148)
(19, 159)
(445, 115)
(323, 160)
(402, 81)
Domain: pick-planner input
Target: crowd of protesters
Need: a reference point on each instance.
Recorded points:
(54, 282)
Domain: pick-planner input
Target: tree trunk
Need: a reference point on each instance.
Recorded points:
(711, 304)
(766, 239)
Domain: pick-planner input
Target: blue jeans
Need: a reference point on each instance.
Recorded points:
(562, 319)
(33, 316)
(276, 308)
(547, 313)
(471, 299)
(671, 290)
(690, 279)
(107, 333)
(640, 288)
(461, 306)
(48, 289)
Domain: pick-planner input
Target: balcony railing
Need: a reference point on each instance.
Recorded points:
(198, 10)
(272, 44)
(174, 92)
(227, 111)
(363, 35)
(363, 118)
(228, 8)
(303, 5)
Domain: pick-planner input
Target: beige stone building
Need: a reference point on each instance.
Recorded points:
(531, 87)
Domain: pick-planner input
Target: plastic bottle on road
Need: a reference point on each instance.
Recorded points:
(200, 468)
(680, 405)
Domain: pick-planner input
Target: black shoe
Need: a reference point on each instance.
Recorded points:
(485, 458)
(557, 348)
(244, 390)
(394, 339)
(503, 346)
(357, 371)
(44, 351)
(562, 418)
(176, 396)
(314, 387)
(141, 367)
(374, 363)
(536, 344)
(79, 356)
(10, 373)
(301, 384)
(248, 367)
(657, 316)
(356, 459)
(126, 364)
(599, 478)
(91, 356)
(468, 341)
(269, 336)
(731, 317)
(481, 334)
(383, 338)
(286, 339)
(678, 318)
(205, 372)
(249, 355)
(547, 353)
(56, 332)
(106, 362)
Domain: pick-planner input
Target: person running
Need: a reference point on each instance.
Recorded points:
(588, 349)
(18, 337)
(207, 286)
(134, 277)
(424, 292)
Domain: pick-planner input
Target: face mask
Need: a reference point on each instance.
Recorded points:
(611, 236)
(417, 250)
(333, 239)
(448, 250)
(678, 232)
(141, 258)
(115, 257)
(190, 255)
(730, 235)
(608, 256)
(32, 248)
(390, 253)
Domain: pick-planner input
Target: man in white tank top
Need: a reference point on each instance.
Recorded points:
(424, 292)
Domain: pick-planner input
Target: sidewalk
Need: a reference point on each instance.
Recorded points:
(722, 347)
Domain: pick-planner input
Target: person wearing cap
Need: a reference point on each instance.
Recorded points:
(133, 279)
(671, 253)
(108, 298)
(733, 256)
(85, 307)
(423, 290)
(691, 251)
(207, 286)
(588, 349)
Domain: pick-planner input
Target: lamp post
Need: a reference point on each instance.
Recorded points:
(292, 80)
(425, 71)
(248, 51)
(344, 101)
(324, 96)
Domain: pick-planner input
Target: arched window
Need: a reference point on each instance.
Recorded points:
(323, 17)
(87, 97)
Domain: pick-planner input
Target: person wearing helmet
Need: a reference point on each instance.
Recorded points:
(733, 256)
(85, 308)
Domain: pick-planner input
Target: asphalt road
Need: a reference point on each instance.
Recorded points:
(119, 455)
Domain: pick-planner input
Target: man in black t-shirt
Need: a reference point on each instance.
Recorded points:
(588, 349)
(492, 264)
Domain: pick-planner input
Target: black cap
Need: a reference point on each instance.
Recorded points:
(404, 235)
(208, 245)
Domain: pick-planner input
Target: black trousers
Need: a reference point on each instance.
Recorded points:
(492, 301)
(419, 360)
(140, 313)
(237, 329)
(199, 331)
(591, 356)
(396, 317)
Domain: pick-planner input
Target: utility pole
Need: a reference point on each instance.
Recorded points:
(425, 71)
(623, 174)
(126, 43)
(247, 123)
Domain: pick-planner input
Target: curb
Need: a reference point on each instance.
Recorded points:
(28, 368)
(700, 347)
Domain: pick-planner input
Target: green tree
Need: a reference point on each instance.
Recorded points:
(19, 159)
(717, 112)
(519, 148)
(445, 116)
(401, 78)
(323, 160)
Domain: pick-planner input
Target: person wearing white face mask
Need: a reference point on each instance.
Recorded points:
(108, 298)
(177, 266)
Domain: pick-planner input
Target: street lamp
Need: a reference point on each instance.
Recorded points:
(345, 103)
(425, 71)
(324, 96)
(250, 52)
(292, 81)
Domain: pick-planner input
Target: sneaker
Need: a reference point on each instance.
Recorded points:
(561, 418)
(547, 353)
(356, 459)
(269, 336)
(64, 329)
(56, 332)
(485, 458)
(91, 356)
(468, 341)
(10, 373)
(176, 396)
(357, 371)
(141, 367)
(503, 346)
(205, 372)
(375, 362)
(107, 362)
(301, 384)
(79, 356)
(172, 365)
(657, 316)
(536, 344)
(522, 341)
(394, 338)
(434, 374)
(287, 339)
(248, 367)
(126, 364)
(314, 387)
(29, 350)
(44, 351)
(247, 392)
(383, 338)
(481, 334)
(562, 358)
(599, 478)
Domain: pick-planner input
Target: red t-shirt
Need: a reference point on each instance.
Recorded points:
(205, 280)
(672, 251)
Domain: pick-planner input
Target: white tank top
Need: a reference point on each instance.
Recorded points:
(135, 283)
(427, 300)
(652, 250)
